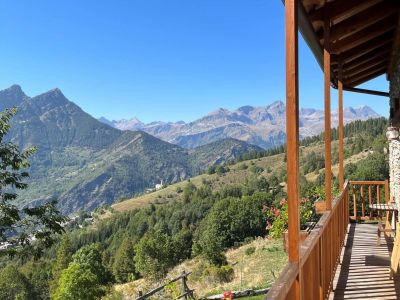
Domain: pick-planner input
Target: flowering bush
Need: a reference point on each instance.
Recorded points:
(277, 216)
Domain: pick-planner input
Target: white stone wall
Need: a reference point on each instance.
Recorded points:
(394, 145)
(394, 165)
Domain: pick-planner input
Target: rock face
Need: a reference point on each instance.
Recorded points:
(261, 126)
(84, 163)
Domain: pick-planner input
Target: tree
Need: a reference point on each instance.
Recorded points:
(38, 273)
(188, 191)
(374, 167)
(89, 257)
(231, 220)
(14, 285)
(124, 265)
(64, 257)
(20, 226)
(154, 254)
(77, 282)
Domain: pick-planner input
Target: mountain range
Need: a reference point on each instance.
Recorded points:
(84, 163)
(261, 126)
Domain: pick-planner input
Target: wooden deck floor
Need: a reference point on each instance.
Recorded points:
(364, 269)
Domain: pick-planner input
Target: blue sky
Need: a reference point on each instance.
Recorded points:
(155, 59)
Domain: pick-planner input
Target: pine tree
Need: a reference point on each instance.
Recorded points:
(64, 257)
(124, 265)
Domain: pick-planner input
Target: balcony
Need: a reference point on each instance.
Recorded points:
(341, 258)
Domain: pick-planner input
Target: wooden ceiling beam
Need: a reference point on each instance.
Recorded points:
(379, 53)
(353, 69)
(341, 10)
(364, 35)
(363, 80)
(362, 20)
(356, 81)
(366, 91)
(367, 47)
(365, 69)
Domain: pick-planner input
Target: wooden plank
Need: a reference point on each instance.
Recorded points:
(156, 290)
(362, 79)
(363, 273)
(362, 20)
(292, 135)
(366, 65)
(341, 135)
(327, 109)
(365, 91)
(378, 54)
(341, 10)
(363, 36)
(366, 70)
(367, 48)
(354, 203)
(394, 262)
(362, 201)
(370, 200)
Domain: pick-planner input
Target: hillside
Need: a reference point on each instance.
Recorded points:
(225, 225)
(263, 126)
(84, 163)
(255, 266)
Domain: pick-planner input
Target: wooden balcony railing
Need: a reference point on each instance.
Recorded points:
(319, 256)
(364, 194)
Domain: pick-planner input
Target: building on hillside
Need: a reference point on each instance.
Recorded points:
(159, 186)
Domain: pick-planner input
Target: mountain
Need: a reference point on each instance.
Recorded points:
(261, 126)
(84, 163)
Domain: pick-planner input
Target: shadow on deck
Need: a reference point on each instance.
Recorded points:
(364, 269)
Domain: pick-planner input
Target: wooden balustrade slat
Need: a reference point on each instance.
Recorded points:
(370, 200)
(362, 201)
(354, 203)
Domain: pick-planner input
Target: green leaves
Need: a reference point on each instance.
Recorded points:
(28, 230)
(77, 282)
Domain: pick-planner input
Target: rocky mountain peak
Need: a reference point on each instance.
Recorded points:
(13, 96)
(245, 109)
(277, 106)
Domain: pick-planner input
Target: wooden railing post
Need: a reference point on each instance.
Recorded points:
(340, 128)
(292, 136)
(327, 108)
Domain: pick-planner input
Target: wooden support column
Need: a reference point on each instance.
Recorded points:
(327, 108)
(341, 135)
(292, 137)
(292, 128)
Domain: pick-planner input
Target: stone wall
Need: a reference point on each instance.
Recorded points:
(394, 86)
(394, 144)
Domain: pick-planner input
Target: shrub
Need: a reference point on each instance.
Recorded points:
(249, 251)
(217, 274)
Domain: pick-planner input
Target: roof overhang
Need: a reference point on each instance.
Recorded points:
(363, 38)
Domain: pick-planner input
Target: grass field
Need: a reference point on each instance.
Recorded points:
(251, 271)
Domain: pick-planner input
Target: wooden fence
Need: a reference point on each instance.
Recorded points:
(364, 194)
(319, 256)
(186, 292)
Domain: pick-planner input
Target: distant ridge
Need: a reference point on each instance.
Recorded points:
(263, 126)
(84, 163)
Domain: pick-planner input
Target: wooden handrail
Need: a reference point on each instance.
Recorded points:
(319, 255)
(365, 193)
